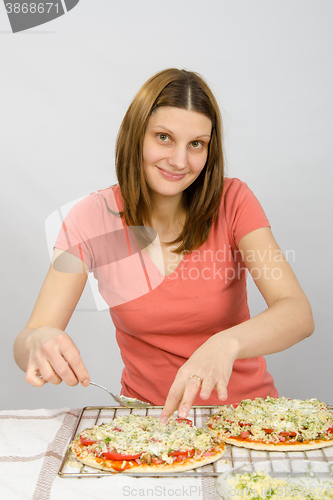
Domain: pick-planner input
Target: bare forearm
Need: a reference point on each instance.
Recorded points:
(43, 349)
(282, 325)
(21, 354)
(287, 320)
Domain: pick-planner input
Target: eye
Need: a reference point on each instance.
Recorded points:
(163, 137)
(196, 144)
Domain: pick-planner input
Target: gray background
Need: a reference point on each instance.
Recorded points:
(65, 87)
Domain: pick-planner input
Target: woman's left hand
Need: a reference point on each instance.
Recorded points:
(208, 368)
(287, 320)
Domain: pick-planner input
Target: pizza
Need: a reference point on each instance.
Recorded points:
(274, 424)
(133, 443)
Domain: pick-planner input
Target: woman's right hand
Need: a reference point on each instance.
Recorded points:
(53, 357)
(43, 350)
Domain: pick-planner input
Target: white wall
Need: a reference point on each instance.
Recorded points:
(64, 89)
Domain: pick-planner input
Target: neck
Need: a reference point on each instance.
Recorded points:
(167, 217)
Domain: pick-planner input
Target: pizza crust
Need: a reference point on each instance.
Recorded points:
(105, 464)
(296, 446)
(228, 414)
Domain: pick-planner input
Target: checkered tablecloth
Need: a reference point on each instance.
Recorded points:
(33, 443)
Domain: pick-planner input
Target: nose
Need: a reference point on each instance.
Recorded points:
(178, 157)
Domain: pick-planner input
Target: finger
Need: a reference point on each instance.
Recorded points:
(79, 370)
(53, 366)
(47, 373)
(221, 389)
(206, 387)
(191, 390)
(75, 363)
(33, 376)
(60, 357)
(172, 402)
(63, 371)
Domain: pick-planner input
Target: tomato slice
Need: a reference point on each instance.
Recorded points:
(86, 441)
(268, 431)
(189, 453)
(113, 455)
(179, 456)
(330, 429)
(208, 454)
(186, 420)
(288, 434)
(182, 453)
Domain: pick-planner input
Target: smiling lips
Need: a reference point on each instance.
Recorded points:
(171, 176)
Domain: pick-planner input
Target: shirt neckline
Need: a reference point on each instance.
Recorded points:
(171, 277)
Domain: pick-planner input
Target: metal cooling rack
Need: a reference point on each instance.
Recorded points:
(233, 457)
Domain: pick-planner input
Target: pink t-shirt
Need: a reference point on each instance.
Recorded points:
(160, 321)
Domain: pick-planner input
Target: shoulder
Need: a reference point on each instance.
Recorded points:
(94, 213)
(236, 193)
(233, 186)
(104, 200)
(240, 209)
(109, 199)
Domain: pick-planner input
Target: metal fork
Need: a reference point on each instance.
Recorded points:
(123, 400)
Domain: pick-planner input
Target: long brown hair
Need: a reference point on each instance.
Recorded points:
(201, 200)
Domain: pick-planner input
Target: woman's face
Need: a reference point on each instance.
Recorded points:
(175, 149)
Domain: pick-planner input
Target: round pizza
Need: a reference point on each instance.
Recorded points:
(274, 424)
(138, 444)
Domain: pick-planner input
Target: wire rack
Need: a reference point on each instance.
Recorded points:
(233, 457)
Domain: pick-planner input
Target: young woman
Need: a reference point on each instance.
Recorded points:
(177, 291)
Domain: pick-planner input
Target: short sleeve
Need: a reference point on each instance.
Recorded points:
(243, 211)
(77, 230)
(93, 231)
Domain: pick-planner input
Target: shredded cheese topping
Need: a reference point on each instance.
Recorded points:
(133, 434)
(260, 486)
(274, 420)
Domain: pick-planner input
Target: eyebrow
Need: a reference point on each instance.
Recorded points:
(171, 133)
